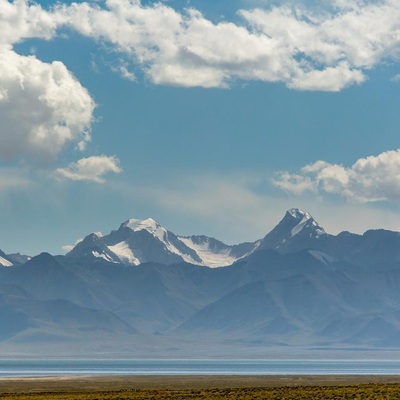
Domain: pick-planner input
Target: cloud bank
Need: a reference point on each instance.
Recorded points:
(327, 51)
(370, 179)
(305, 50)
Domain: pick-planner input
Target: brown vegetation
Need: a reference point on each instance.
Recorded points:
(356, 392)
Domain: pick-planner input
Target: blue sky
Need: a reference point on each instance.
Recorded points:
(212, 118)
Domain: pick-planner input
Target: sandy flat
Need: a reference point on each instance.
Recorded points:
(124, 382)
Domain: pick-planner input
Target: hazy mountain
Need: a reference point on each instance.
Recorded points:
(143, 287)
(292, 299)
(28, 318)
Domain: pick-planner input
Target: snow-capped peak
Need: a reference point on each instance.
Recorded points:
(149, 225)
(133, 248)
(171, 243)
(136, 225)
(296, 230)
(304, 220)
(299, 214)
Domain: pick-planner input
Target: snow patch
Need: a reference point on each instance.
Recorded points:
(320, 256)
(148, 224)
(5, 263)
(299, 214)
(126, 255)
(103, 256)
(299, 227)
(305, 219)
(209, 258)
(153, 227)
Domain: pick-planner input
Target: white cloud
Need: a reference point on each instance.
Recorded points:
(181, 49)
(294, 183)
(306, 51)
(331, 79)
(90, 169)
(21, 19)
(68, 247)
(123, 70)
(42, 107)
(321, 50)
(370, 179)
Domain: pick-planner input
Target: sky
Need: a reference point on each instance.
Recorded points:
(211, 117)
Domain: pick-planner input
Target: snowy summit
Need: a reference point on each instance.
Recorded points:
(305, 220)
(140, 241)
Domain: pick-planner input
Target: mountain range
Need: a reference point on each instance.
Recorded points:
(142, 290)
(141, 241)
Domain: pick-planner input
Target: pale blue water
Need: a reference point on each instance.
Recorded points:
(19, 368)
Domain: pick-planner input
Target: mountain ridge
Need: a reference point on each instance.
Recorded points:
(140, 241)
(298, 287)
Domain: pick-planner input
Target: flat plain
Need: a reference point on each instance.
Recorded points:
(201, 387)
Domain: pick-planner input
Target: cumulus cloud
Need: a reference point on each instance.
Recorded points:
(327, 51)
(42, 107)
(21, 20)
(306, 50)
(370, 179)
(90, 169)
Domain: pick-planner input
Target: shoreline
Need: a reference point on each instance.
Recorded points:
(98, 383)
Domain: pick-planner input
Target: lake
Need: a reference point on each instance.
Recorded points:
(19, 368)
